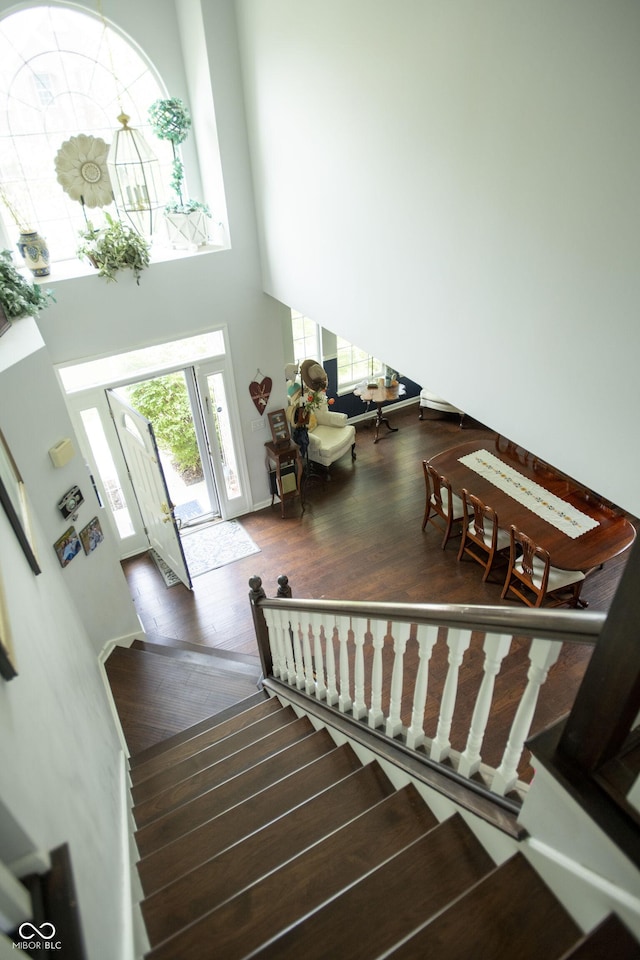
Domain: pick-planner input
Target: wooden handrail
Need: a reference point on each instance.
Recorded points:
(333, 650)
(568, 626)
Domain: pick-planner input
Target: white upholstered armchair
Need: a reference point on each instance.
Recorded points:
(329, 434)
(331, 438)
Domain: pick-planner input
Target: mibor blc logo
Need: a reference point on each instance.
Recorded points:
(37, 938)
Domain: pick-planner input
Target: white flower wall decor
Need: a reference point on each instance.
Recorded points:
(81, 166)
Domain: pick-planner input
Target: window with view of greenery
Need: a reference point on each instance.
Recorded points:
(63, 72)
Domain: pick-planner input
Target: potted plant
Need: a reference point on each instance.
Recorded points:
(186, 219)
(18, 297)
(114, 247)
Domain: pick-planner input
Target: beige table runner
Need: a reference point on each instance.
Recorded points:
(536, 498)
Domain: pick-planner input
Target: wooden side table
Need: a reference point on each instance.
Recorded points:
(284, 466)
(380, 394)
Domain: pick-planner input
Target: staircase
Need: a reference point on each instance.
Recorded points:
(259, 836)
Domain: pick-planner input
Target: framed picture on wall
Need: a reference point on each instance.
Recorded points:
(13, 498)
(7, 662)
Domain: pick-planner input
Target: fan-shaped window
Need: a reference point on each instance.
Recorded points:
(63, 73)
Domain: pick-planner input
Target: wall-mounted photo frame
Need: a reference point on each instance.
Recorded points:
(13, 498)
(279, 428)
(7, 660)
(91, 536)
(67, 546)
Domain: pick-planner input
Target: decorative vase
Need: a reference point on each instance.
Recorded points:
(33, 248)
(187, 230)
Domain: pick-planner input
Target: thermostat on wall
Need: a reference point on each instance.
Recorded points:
(62, 452)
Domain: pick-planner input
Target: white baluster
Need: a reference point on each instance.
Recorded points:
(297, 654)
(344, 700)
(378, 631)
(426, 637)
(359, 708)
(458, 642)
(283, 629)
(309, 685)
(394, 721)
(274, 624)
(542, 656)
(496, 647)
(318, 659)
(330, 656)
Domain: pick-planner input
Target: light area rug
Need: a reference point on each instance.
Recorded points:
(210, 547)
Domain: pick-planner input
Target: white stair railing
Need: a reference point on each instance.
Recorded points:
(357, 657)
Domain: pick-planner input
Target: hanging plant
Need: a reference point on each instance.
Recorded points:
(18, 297)
(114, 247)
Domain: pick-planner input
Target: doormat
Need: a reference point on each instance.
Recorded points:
(209, 548)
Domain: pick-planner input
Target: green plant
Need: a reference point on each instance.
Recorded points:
(114, 247)
(164, 401)
(171, 120)
(18, 297)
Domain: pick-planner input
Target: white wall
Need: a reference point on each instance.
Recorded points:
(60, 757)
(464, 175)
(190, 295)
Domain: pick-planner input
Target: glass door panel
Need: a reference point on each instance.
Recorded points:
(222, 424)
(165, 401)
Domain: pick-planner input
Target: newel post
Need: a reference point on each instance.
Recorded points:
(256, 594)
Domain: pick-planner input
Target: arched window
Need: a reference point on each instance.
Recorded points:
(62, 73)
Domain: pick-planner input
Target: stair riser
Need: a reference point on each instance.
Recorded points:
(243, 923)
(186, 745)
(216, 801)
(416, 884)
(223, 770)
(189, 851)
(215, 881)
(214, 754)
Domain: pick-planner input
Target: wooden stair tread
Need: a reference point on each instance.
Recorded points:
(219, 833)
(159, 639)
(241, 865)
(148, 693)
(390, 902)
(511, 910)
(203, 735)
(207, 656)
(221, 798)
(157, 665)
(247, 920)
(611, 938)
(223, 770)
(189, 766)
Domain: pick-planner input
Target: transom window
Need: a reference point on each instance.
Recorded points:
(62, 73)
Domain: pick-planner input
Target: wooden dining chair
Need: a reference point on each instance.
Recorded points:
(533, 580)
(482, 538)
(443, 507)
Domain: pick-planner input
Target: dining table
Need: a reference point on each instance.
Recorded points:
(579, 529)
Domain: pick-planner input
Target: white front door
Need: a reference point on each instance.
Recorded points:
(140, 452)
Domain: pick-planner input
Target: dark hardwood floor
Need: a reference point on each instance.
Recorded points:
(360, 538)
